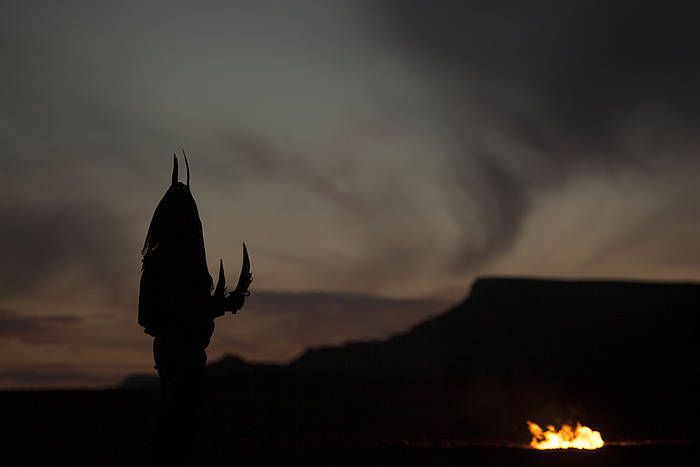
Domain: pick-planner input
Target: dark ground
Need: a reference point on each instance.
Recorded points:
(112, 428)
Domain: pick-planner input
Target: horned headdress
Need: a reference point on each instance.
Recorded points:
(175, 277)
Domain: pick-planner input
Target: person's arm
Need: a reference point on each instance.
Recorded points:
(232, 302)
(235, 301)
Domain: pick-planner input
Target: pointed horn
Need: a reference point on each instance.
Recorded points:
(221, 282)
(245, 278)
(188, 167)
(174, 180)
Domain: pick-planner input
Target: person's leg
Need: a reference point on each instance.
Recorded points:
(178, 424)
(167, 444)
(190, 405)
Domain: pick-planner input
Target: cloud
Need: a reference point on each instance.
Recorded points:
(501, 206)
(392, 148)
(543, 92)
(34, 329)
(45, 241)
(587, 63)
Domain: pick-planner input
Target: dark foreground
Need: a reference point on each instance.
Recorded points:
(234, 454)
(470, 456)
(112, 428)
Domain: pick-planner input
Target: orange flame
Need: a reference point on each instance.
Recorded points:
(580, 438)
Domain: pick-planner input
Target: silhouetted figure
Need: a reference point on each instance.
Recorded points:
(177, 308)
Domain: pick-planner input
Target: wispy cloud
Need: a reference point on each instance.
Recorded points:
(34, 329)
(374, 152)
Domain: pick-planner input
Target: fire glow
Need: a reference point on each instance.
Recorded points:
(581, 437)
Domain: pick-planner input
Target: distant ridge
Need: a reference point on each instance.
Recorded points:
(525, 326)
(521, 327)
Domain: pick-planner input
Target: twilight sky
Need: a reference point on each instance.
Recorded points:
(376, 156)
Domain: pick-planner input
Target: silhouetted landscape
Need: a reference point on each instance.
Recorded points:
(472, 226)
(457, 389)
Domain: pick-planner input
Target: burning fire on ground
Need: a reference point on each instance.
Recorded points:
(567, 437)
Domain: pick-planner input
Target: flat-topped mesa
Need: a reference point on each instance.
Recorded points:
(551, 289)
(529, 327)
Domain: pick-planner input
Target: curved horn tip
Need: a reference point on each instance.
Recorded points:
(187, 165)
(174, 177)
(221, 281)
(221, 270)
